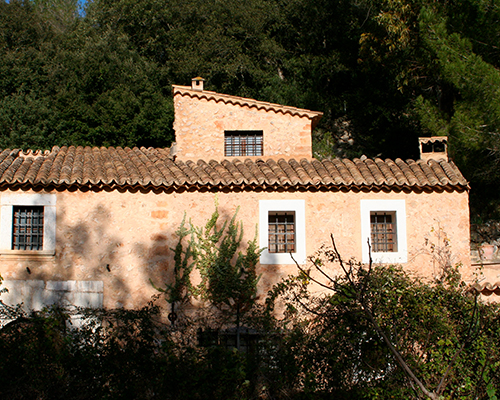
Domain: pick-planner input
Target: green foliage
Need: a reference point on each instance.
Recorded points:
(446, 337)
(324, 347)
(63, 83)
(228, 276)
(383, 72)
(180, 290)
(113, 354)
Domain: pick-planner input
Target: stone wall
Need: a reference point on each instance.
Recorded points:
(124, 239)
(200, 124)
(35, 294)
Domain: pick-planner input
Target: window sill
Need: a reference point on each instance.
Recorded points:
(389, 258)
(26, 254)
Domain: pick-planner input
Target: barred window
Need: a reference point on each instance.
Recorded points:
(281, 232)
(27, 228)
(243, 143)
(383, 232)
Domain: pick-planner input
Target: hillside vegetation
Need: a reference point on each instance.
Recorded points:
(383, 72)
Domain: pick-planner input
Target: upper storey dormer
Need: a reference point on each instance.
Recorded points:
(215, 126)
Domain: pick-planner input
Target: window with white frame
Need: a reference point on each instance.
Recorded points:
(27, 228)
(27, 223)
(383, 231)
(282, 231)
(281, 238)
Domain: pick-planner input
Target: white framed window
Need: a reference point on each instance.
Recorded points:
(383, 225)
(28, 223)
(282, 230)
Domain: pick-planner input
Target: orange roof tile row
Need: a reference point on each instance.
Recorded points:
(152, 167)
(487, 288)
(243, 101)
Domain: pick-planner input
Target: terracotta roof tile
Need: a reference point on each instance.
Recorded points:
(237, 176)
(177, 174)
(269, 174)
(18, 175)
(345, 174)
(363, 170)
(487, 288)
(278, 172)
(375, 172)
(246, 102)
(417, 173)
(184, 172)
(33, 171)
(314, 177)
(321, 172)
(213, 178)
(301, 173)
(149, 167)
(405, 169)
(334, 173)
(430, 178)
(255, 171)
(353, 171)
(249, 179)
(289, 172)
(397, 173)
(387, 174)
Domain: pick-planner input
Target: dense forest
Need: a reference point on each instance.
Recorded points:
(384, 72)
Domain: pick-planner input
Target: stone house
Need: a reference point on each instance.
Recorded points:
(93, 226)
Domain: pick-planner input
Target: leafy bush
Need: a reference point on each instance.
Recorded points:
(378, 332)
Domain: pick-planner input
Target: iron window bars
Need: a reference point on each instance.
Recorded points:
(383, 232)
(243, 143)
(281, 232)
(27, 229)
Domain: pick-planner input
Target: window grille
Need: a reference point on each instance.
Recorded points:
(27, 230)
(281, 232)
(243, 143)
(383, 232)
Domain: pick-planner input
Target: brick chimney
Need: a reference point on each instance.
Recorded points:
(197, 83)
(433, 148)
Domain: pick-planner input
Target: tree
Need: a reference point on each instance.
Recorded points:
(228, 275)
(473, 123)
(377, 332)
(62, 82)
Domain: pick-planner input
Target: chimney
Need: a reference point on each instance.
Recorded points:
(433, 148)
(197, 83)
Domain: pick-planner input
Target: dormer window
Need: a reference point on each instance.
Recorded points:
(243, 143)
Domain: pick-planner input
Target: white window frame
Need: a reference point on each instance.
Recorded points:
(394, 206)
(296, 206)
(11, 199)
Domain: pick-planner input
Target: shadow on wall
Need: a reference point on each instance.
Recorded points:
(97, 263)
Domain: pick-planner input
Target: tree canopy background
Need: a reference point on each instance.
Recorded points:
(384, 72)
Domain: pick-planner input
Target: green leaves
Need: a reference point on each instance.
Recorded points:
(228, 275)
(379, 330)
(227, 269)
(62, 82)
